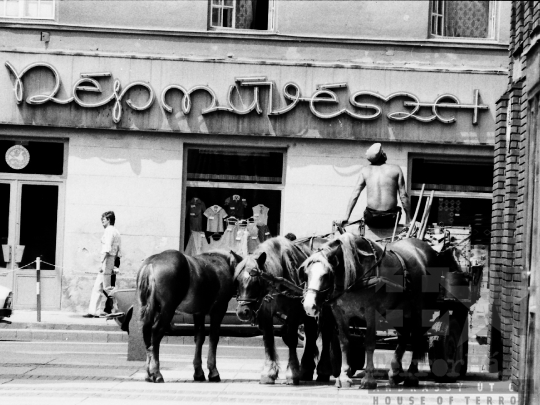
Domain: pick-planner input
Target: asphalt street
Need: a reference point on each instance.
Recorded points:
(98, 373)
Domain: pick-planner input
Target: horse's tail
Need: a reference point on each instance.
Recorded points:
(350, 258)
(146, 288)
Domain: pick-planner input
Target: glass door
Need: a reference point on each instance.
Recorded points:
(7, 231)
(29, 228)
(37, 236)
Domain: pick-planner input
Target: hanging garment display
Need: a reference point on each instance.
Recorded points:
(229, 236)
(235, 206)
(241, 239)
(216, 242)
(195, 209)
(253, 237)
(215, 215)
(264, 233)
(260, 213)
(197, 244)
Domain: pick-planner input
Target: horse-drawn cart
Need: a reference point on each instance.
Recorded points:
(459, 290)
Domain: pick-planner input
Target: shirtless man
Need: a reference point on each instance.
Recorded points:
(384, 182)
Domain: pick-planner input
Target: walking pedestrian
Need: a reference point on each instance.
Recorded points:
(110, 250)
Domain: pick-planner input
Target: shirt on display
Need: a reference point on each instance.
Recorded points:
(235, 206)
(215, 215)
(260, 213)
(196, 208)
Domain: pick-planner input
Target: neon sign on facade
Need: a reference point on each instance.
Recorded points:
(324, 94)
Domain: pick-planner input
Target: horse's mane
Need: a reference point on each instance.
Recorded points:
(282, 258)
(351, 260)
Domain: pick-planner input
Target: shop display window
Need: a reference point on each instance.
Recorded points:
(461, 212)
(233, 198)
(462, 188)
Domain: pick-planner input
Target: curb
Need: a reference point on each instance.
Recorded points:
(106, 336)
(110, 327)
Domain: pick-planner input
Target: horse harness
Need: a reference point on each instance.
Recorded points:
(368, 280)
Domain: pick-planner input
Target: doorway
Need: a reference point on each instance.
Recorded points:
(29, 228)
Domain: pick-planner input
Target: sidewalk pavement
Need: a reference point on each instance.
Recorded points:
(70, 326)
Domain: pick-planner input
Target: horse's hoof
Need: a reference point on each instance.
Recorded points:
(323, 378)
(148, 379)
(368, 385)
(159, 379)
(267, 380)
(199, 377)
(293, 381)
(345, 383)
(214, 378)
(395, 380)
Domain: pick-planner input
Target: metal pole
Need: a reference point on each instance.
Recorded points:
(423, 228)
(38, 287)
(413, 222)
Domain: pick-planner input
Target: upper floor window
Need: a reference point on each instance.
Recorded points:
(241, 14)
(38, 9)
(462, 19)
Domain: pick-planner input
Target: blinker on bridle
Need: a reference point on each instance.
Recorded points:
(255, 273)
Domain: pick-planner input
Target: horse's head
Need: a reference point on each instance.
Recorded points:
(318, 273)
(250, 287)
(333, 268)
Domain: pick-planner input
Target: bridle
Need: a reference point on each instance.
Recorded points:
(264, 297)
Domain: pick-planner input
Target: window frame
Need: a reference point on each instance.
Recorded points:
(21, 6)
(232, 185)
(271, 19)
(492, 23)
(447, 158)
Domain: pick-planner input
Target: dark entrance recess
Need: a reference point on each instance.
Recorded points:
(5, 191)
(39, 211)
(45, 157)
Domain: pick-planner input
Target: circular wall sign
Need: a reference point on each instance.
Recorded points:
(17, 157)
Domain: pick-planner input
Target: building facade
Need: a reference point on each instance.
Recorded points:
(141, 106)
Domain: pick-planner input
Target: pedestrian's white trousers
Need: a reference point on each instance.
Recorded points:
(103, 281)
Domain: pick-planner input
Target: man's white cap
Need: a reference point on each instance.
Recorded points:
(374, 153)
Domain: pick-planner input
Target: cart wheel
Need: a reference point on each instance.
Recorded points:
(447, 357)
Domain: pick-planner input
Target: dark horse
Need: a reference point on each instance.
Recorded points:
(343, 275)
(201, 285)
(260, 300)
